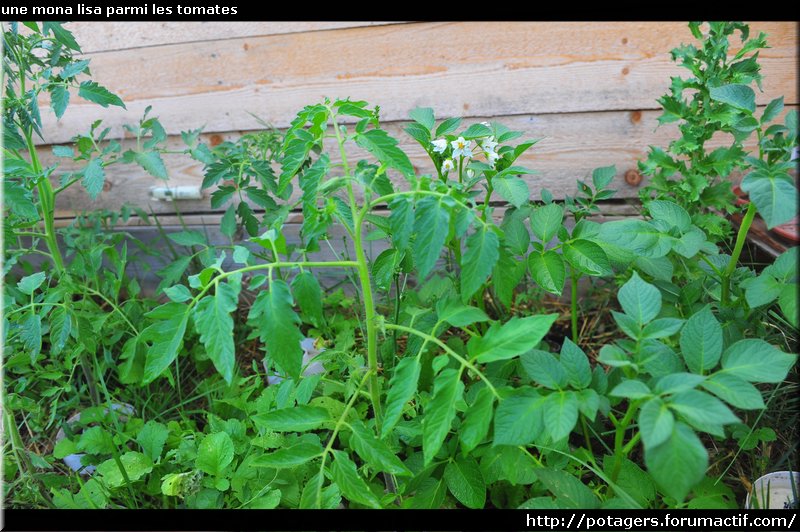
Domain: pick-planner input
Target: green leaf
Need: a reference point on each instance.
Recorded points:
(353, 486)
(64, 448)
(738, 95)
(678, 463)
(96, 440)
(401, 221)
(278, 325)
(459, 315)
(212, 318)
(773, 109)
(637, 236)
(544, 369)
(152, 437)
(19, 200)
(73, 69)
(788, 303)
(560, 413)
(29, 284)
(384, 148)
(152, 162)
(93, 178)
(575, 361)
(63, 151)
(166, 337)
(640, 300)
(587, 257)
(478, 260)
(299, 418)
(31, 335)
(603, 176)
(424, 116)
(440, 411)
(546, 221)
(432, 221)
(702, 411)
(569, 491)
(735, 391)
(662, 328)
(289, 457)
(61, 34)
(677, 382)
(518, 419)
(215, 453)
(59, 99)
(60, 328)
(90, 90)
(402, 386)
(631, 389)
(775, 197)
(671, 213)
(756, 361)
(701, 341)
(308, 293)
(136, 466)
(761, 290)
(512, 189)
(448, 126)
(548, 270)
(465, 482)
(375, 452)
(510, 339)
(178, 293)
(188, 238)
(477, 420)
(656, 423)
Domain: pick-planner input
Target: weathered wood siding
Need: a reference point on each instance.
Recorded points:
(588, 89)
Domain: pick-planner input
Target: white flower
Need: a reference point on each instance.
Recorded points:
(491, 156)
(461, 148)
(489, 144)
(447, 165)
(439, 145)
(487, 124)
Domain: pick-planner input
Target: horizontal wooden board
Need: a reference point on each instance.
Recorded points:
(108, 36)
(572, 145)
(460, 69)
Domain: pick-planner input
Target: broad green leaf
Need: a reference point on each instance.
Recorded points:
(299, 418)
(510, 339)
(671, 213)
(465, 482)
(152, 162)
(512, 189)
(639, 299)
(29, 284)
(631, 389)
(178, 293)
(93, 178)
(59, 99)
(761, 290)
(546, 221)
(560, 413)
(289, 457)
(478, 261)
(702, 411)
(678, 463)
(544, 369)
(602, 177)
(31, 335)
(384, 148)
(152, 437)
(188, 238)
(738, 95)
(166, 337)
(587, 257)
(548, 270)
(401, 221)
(507, 274)
(212, 318)
(477, 420)
(788, 303)
(60, 329)
(424, 116)
(278, 327)
(448, 126)
(756, 361)
(570, 492)
(308, 293)
(518, 419)
(656, 422)
(735, 391)
(402, 386)
(352, 485)
(136, 466)
(375, 453)
(613, 356)
(96, 440)
(431, 223)
(774, 196)
(459, 315)
(440, 411)
(73, 69)
(773, 109)
(636, 236)
(662, 328)
(701, 341)
(90, 90)
(575, 361)
(19, 200)
(677, 382)
(64, 448)
(214, 453)
(175, 484)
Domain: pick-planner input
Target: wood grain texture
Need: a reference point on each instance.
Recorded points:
(109, 36)
(572, 145)
(487, 69)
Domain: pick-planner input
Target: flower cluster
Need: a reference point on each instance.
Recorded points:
(463, 148)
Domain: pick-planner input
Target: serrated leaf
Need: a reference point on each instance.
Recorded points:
(95, 440)
(308, 293)
(278, 327)
(353, 487)
(166, 336)
(31, 335)
(300, 418)
(289, 457)
(151, 161)
(678, 463)
(136, 466)
(384, 148)
(402, 386)
(59, 100)
(93, 178)
(478, 261)
(465, 482)
(431, 223)
(212, 318)
(73, 69)
(29, 284)
(60, 329)
(375, 452)
(701, 341)
(440, 411)
(90, 90)
(215, 453)
(510, 339)
(548, 270)
(152, 437)
(188, 238)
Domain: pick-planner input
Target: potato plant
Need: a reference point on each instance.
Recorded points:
(419, 384)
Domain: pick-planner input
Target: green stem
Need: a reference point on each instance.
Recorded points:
(574, 305)
(621, 450)
(47, 199)
(741, 237)
(18, 448)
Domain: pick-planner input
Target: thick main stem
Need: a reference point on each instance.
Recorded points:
(741, 236)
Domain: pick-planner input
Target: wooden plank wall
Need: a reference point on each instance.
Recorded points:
(589, 89)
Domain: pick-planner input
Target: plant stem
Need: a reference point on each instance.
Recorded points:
(741, 237)
(574, 305)
(620, 450)
(18, 448)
